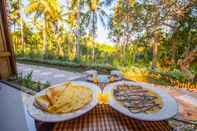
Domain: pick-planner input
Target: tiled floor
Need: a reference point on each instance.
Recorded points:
(187, 102)
(44, 74)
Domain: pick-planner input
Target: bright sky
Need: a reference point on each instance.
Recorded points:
(102, 33)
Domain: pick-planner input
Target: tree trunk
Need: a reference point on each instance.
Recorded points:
(60, 44)
(124, 47)
(174, 48)
(21, 27)
(154, 60)
(45, 43)
(60, 49)
(126, 44)
(14, 26)
(22, 36)
(78, 33)
(188, 57)
(93, 35)
(134, 52)
(155, 51)
(173, 51)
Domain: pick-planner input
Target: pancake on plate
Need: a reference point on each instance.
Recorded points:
(137, 99)
(63, 99)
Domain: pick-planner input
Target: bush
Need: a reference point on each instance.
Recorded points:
(26, 81)
(64, 64)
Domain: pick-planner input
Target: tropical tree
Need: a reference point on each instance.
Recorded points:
(14, 13)
(121, 25)
(148, 19)
(16, 18)
(22, 22)
(49, 10)
(74, 20)
(91, 17)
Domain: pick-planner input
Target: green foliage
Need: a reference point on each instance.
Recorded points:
(174, 75)
(51, 33)
(26, 81)
(65, 64)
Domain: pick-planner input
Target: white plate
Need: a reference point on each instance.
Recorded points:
(100, 78)
(168, 110)
(47, 117)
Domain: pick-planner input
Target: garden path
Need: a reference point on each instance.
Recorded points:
(44, 74)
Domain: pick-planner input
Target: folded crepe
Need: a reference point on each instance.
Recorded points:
(73, 98)
(42, 102)
(64, 98)
(53, 93)
(45, 101)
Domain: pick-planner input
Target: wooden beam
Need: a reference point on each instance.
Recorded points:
(9, 44)
(5, 54)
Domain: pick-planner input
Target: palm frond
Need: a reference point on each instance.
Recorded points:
(32, 7)
(86, 18)
(102, 20)
(74, 4)
(103, 13)
(108, 2)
